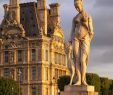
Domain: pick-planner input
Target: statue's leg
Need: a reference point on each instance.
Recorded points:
(76, 61)
(85, 46)
(83, 68)
(71, 68)
(73, 73)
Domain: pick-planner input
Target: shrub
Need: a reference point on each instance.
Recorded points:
(104, 86)
(93, 79)
(111, 88)
(63, 81)
(8, 87)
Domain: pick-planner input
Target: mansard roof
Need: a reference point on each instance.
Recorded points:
(28, 18)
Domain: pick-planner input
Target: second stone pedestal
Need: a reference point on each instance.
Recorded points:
(79, 90)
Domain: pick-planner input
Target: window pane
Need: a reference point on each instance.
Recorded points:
(26, 73)
(56, 74)
(46, 92)
(6, 72)
(33, 55)
(19, 55)
(6, 56)
(34, 91)
(33, 73)
(46, 73)
(46, 55)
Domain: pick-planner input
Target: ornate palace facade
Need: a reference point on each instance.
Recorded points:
(32, 48)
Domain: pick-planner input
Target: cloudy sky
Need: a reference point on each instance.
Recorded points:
(101, 57)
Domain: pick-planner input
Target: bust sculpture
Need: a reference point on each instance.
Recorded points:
(81, 36)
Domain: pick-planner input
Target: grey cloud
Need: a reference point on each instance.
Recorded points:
(107, 56)
(101, 62)
(101, 55)
(104, 3)
(103, 70)
(103, 25)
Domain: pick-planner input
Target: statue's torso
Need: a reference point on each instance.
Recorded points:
(81, 26)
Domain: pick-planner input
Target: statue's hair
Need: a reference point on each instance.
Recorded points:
(78, 1)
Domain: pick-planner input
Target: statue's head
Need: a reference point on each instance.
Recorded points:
(78, 5)
(6, 7)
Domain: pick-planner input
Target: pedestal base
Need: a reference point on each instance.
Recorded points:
(79, 90)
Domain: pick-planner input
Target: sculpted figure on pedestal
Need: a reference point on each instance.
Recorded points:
(9, 17)
(81, 36)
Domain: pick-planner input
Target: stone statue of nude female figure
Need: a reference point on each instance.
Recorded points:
(81, 36)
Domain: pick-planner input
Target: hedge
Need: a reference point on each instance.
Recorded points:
(103, 86)
(94, 80)
(8, 87)
(63, 81)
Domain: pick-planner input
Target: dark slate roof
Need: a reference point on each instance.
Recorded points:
(28, 18)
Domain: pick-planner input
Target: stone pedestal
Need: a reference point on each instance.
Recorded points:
(79, 90)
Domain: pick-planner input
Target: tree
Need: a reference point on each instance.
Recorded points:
(63, 81)
(111, 88)
(8, 87)
(104, 86)
(93, 79)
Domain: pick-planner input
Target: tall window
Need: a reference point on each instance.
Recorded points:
(46, 73)
(46, 55)
(34, 91)
(33, 73)
(55, 58)
(6, 56)
(64, 60)
(0, 58)
(59, 61)
(56, 73)
(46, 92)
(26, 73)
(20, 56)
(33, 55)
(6, 72)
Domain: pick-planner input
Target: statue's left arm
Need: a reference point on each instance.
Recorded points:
(73, 30)
(90, 24)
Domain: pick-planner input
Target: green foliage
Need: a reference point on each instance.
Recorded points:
(93, 79)
(105, 85)
(62, 82)
(8, 87)
(111, 88)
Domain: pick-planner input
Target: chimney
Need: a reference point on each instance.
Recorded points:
(42, 12)
(55, 13)
(15, 9)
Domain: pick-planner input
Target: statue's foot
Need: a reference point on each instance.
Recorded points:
(70, 83)
(78, 83)
(84, 83)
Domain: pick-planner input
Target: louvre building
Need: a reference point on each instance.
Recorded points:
(32, 47)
